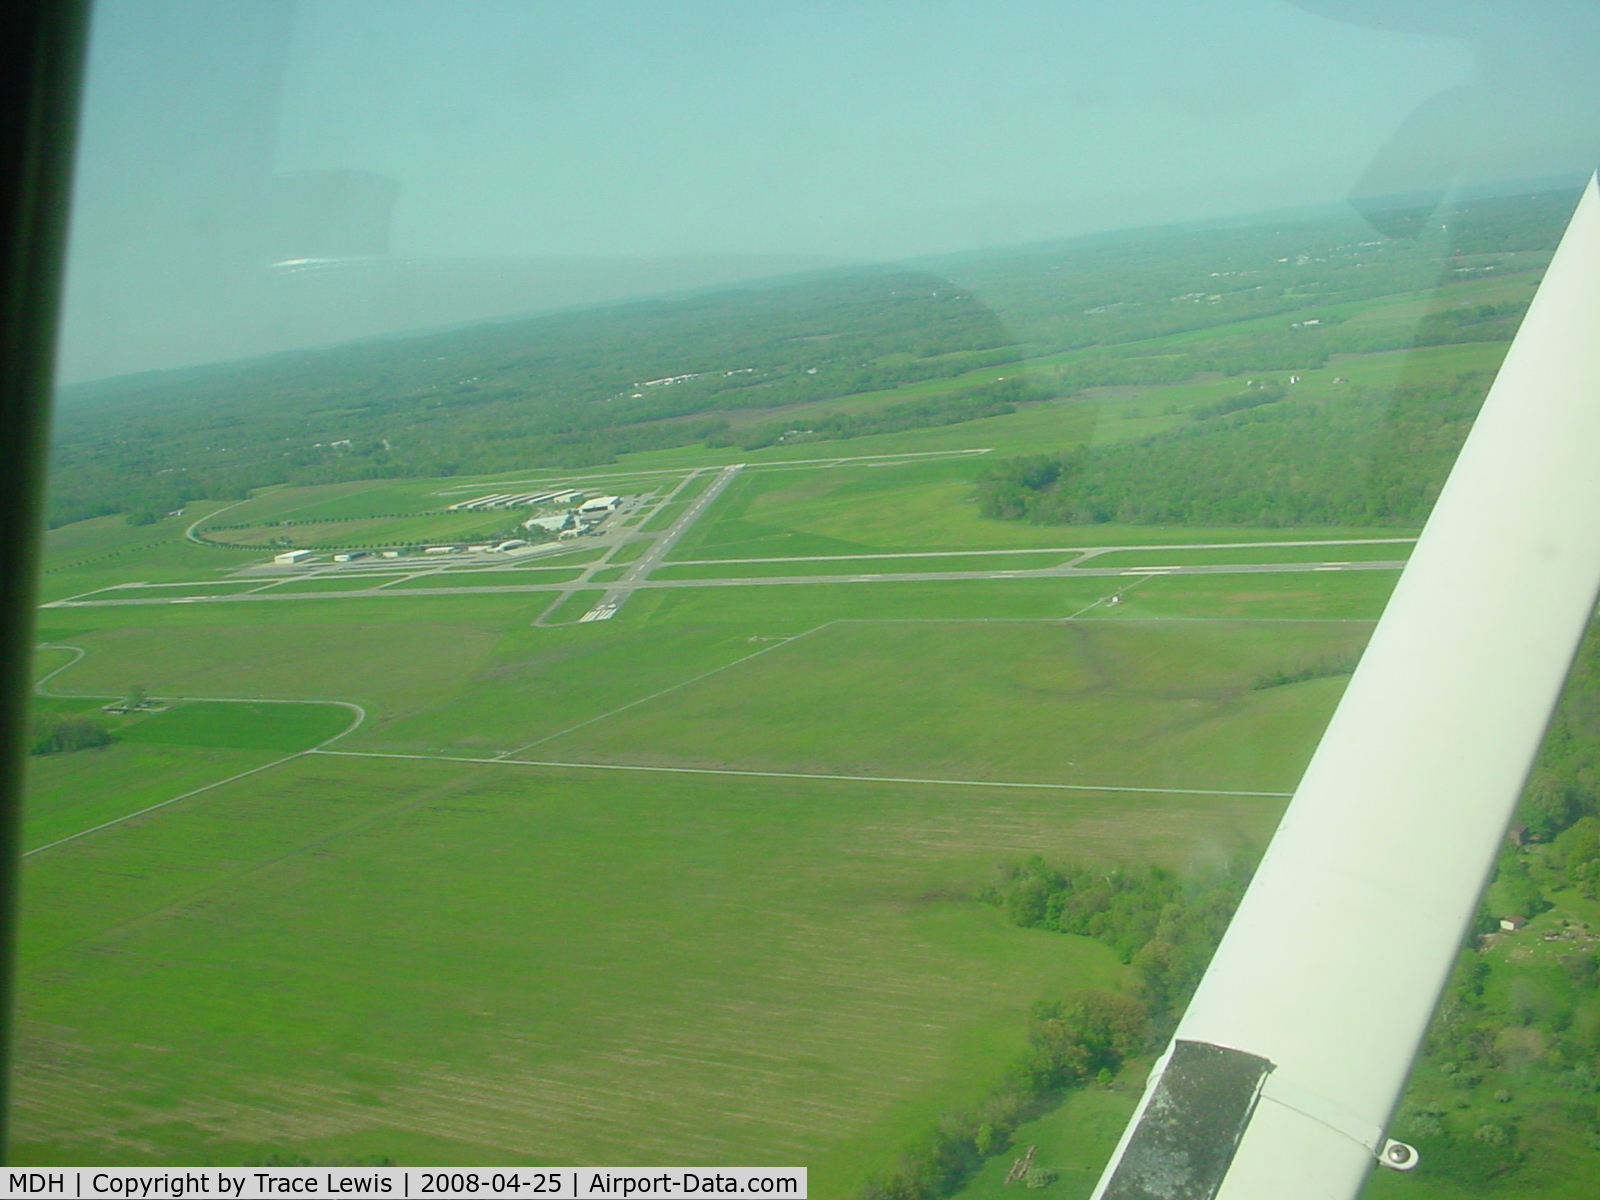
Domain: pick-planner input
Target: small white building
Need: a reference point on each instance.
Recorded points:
(350, 555)
(600, 504)
(289, 557)
(513, 544)
(549, 524)
(438, 549)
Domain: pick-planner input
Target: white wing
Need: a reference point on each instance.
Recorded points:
(1288, 1064)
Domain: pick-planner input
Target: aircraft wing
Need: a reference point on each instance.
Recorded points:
(1286, 1068)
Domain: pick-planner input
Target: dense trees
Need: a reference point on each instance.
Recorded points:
(1163, 924)
(579, 388)
(57, 732)
(1511, 1067)
(1364, 459)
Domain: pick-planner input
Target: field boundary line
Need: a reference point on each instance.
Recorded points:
(360, 715)
(72, 837)
(501, 760)
(664, 691)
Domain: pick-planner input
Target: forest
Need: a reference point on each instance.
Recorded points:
(1369, 459)
(580, 388)
(1166, 924)
(1162, 924)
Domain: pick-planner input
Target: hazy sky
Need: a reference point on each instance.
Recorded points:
(581, 149)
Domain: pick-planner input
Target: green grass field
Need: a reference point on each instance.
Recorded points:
(162, 755)
(282, 727)
(687, 943)
(459, 964)
(1121, 703)
(68, 793)
(837, 994)
(1389, 552)
(909, 507)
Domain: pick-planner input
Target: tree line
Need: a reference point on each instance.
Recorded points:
(1162, 924)
(1493, 1005)
(580, 389)
(1366, 459)
(61, 732)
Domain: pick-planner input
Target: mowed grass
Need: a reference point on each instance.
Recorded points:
(456, 964)
(263, 726)
(107, 551)
(1325, 595)
(388, 667)
(910, 506)
(69, 793)
(163, 755)
(1383, 552)
(1119, 703)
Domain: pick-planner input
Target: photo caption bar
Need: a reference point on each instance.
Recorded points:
(402, 1183)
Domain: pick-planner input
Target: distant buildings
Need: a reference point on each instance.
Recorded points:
(289, 557)
(553, 524)
(514, 500)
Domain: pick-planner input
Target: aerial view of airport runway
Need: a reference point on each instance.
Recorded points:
(370, 579)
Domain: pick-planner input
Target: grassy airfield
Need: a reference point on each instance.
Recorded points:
(690, 884)
(466, 961)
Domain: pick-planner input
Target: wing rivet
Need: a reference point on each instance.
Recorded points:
(1398, 1156)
